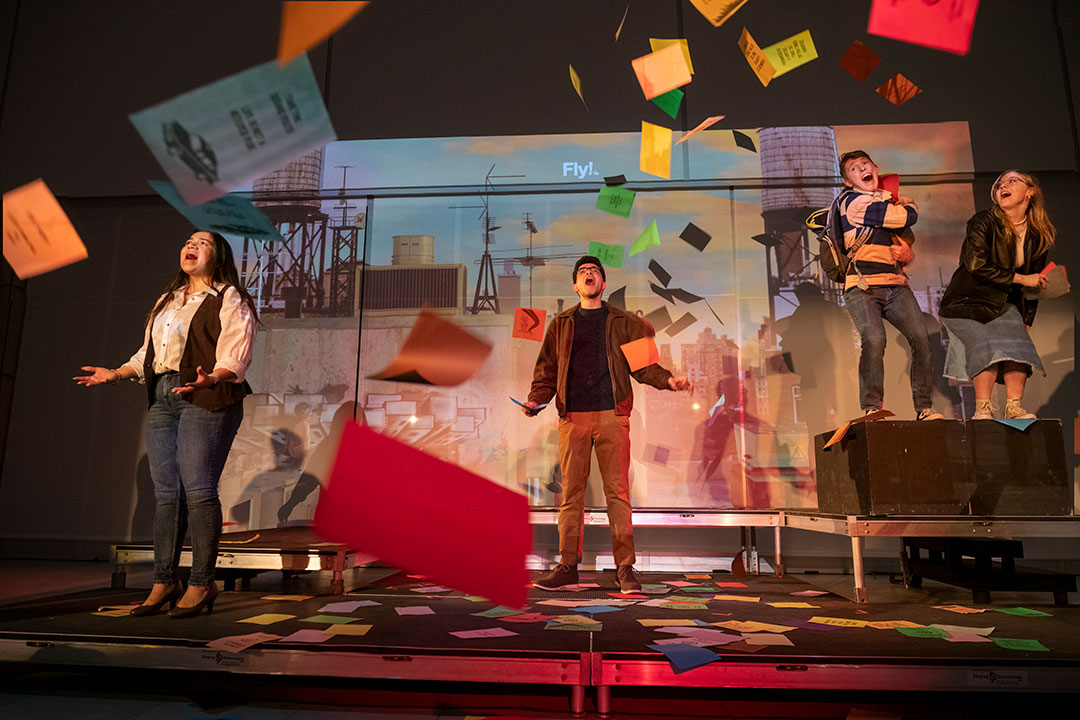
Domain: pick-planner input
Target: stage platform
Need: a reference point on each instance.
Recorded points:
(63, 631)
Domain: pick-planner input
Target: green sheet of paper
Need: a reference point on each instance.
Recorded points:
(669, 102)
(649, 238)
(1023, 611)
(922, 632)
(497, 612)
(329, 619)
(616, 200)
(1019, 644)
(609, 255)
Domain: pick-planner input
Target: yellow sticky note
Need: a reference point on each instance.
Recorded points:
(739, 598)
(575, 80)
(290, 598)
(116, 612)
(752, 626)
(758, 62)
(717, 11)
(660, 44)
(688, 576)
(666, 622)
(789, 54)
(792, 605)
(38, 237)
(661, 71)
(349, 629)
(655, 150)
(266, 618)
(839, 622)
(890, 624)
(306, 24)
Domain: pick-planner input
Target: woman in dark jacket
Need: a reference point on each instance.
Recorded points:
(985, 308)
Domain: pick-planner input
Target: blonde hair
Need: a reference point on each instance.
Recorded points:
(1036, 213)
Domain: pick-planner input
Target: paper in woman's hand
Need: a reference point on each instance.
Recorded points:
(1057, 283)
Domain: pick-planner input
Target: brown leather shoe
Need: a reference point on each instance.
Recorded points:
(628, 582)
(172, 595)
(561, 576)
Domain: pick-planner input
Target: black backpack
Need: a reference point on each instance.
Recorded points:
(831, 256)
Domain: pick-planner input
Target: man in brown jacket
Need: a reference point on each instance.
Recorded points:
(582, 366)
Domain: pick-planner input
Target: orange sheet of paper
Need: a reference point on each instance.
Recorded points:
(38, 237)
(529, 323)
(754, 55)
(424, 515)
(661, 71)
(437, 352)
(717, 11)
(306, 24)
(842, 430)
(898, 90)
(575, 80)
(655, 149)
(640, 353)
(661, 43)
(708, 122)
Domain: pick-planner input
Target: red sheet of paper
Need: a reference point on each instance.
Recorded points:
(425, 515)
(898, 89)
(940, 25)
(529, 323)
(306, 24)
(1049, 266)
(640, 353)
(437, 352)
(859, 61)
(38, 237)
(890, 182)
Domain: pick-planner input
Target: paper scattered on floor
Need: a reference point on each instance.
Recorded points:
(494, 632)
(237, 643)
(267, 618)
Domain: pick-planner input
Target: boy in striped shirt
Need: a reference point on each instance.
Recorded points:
(877, 238)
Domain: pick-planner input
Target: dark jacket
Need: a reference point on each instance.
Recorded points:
(982, 286)
(553, 363)
(200, 350)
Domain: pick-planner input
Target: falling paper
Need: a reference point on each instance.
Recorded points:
(437, 352)
(38, 237)
(939, 25)
(576, 82)
(669, 102)
(898, 90)
(453, 513)
(228, 214)
(859, 61)
(658, 319)
(661, 71)
(615, 200)
(717, 11)
(791, 53)
(655, 150)
(662, 275)
(756, 58)
(618, 298)
(650, 237)
(744, 141)
(695, 237)
(618, 30)
(640, 353)
(529, 323)
(216, 137)
(660, 44)
(306, 24)
(679, 325)
(707, 123)
(608, 255)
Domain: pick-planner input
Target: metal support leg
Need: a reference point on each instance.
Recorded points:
(119, 577)
(778, 562)
(755, 562)
(603, 701)
(857, 568)
(337, 584)
(577, 700)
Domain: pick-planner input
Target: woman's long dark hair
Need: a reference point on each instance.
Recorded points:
(222, 270)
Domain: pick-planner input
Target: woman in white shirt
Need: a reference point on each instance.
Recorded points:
(205, 319)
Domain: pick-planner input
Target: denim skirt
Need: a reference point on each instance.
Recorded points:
(975, 346)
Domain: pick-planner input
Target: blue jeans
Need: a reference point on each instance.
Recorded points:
(897, 304)
(187, 447)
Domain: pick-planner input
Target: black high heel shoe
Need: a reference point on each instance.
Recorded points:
(155, 608)
(207, 602)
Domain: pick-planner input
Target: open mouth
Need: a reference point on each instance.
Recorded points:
(1005, 194)
(191, 256)
(867, 177)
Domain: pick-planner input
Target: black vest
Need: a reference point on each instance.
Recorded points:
(200, 350)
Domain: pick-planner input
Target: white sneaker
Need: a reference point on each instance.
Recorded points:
(984, 410)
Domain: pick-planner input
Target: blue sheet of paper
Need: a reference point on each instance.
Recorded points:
(685, 657)
(593, 609)
(1017, 423)
(538, 407)
(217, 137)
(228, 214)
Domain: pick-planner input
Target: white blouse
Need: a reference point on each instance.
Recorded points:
(170, 331)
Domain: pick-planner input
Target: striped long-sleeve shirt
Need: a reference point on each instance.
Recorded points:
(873, 224)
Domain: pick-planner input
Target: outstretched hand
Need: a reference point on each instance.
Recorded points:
(202, 380)
(529, 408)
(680, 383)
(97, 376)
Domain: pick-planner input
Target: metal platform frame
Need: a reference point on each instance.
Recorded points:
(857, 527)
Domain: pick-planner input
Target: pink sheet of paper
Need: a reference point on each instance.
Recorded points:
(422, 514)
(437, 352)
(939, 25)
(661, 71)
(705, 124)
(38, 237)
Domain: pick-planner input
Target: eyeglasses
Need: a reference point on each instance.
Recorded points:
(588, 269)
(1010, 181)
